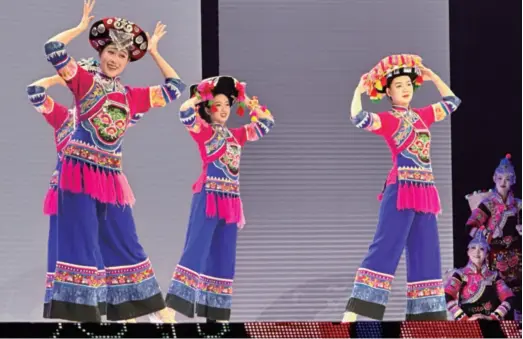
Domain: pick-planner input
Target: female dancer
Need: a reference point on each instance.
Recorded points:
(202, 281)
(475, 292)
(498, 217)
(63, 122)
(410, 201)
(94, 195)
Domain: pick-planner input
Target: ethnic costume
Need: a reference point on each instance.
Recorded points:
(63, 122)
(95, 198)
(498, 220)
(409, 203)
(202, 281)
(472, 290)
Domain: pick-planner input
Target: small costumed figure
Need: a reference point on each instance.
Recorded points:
(497, 215)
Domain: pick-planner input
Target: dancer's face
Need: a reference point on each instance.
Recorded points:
(113, 61)
(222, 111)
(401, 90)
(503, 183)
(477, 254)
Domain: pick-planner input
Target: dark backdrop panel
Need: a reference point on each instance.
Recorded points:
(485, 70)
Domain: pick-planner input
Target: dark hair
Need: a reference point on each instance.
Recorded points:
(390, 79)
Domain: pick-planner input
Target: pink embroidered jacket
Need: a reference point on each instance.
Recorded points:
(470, 291)
(406, 132)
(220, 150)
(92, 159)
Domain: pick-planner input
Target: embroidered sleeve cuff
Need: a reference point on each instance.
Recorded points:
(56, 53)
(368, 121)
(452, 102)
(361, 120)
(37, 95)
(177, 83)
(188, 117)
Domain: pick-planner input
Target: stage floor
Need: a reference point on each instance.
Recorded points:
(371, 329)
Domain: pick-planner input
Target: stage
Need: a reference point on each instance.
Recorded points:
(410, 329)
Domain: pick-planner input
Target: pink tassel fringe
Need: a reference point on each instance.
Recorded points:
(420, 198)
(107, 187)
(51, 202)
(228, 208)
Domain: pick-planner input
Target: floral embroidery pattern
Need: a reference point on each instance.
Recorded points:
(92, 98)
(94, 156)
(214, 285)
(156, 96)
(477, 218)
(111, 124)
(129, 274)
(420, 147)
(221, 185)
(506, 262)
(78, 275)
(374, 279)
(186, 277)
(419, 175)
(252, 131)
(440, 113)
(407, 120)
(66, 129)
(403, 132)
(476, 282)
(231, 159)
(215, 143)
(425, 289)
(202, 282)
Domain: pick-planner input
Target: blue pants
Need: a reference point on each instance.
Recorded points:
(417, 233)
(202, 281)
(88, 233)
(52, 247)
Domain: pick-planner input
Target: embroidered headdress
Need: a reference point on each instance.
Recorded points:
(505, 167)
(125, 35)
(223, 84)
(379, 77)
(479, 240)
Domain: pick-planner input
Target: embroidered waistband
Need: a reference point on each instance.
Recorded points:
(94, 156)
(416, 175)
(222, 185)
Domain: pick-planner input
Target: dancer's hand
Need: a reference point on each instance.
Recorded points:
(86, 16)
(196, 100)
(159, 32)
(427, 73)
(479, 317)
(518, 228)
